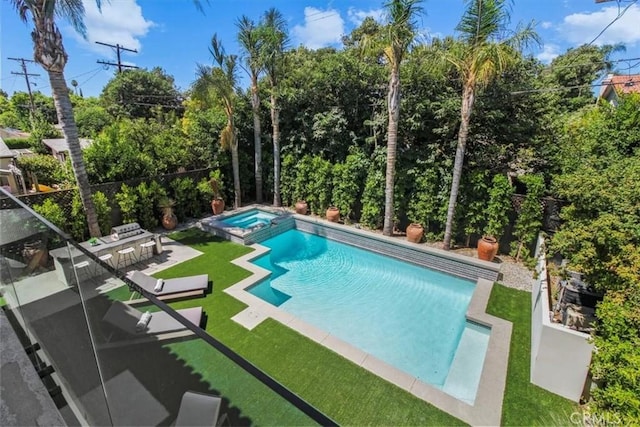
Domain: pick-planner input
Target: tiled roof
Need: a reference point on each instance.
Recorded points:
(60, 144)
(621, 84)
(4, 150)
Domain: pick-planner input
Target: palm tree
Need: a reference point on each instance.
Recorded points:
(398, 36)
(481, 54)
(218, 84)
(48, 51)
(250, 43)
(273, 33)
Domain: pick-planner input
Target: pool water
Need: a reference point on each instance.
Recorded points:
(408, 316)
(249, 219)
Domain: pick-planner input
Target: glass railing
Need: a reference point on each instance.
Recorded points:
(102, 366)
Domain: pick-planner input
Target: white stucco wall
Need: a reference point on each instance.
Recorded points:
(560, 357)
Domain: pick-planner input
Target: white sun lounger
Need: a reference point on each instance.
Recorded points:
(171, 288)
(160, 325)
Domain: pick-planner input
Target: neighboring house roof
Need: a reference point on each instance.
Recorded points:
(7, 133)
(620, 84)
(59, 145)
(4, 150)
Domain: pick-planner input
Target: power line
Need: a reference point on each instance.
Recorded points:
(26, 75)
(75, 77)
(620, 15)
(119, 64)
(557, 89)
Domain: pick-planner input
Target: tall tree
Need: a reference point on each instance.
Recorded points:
(480, 54)
(397, 37)
(275, 38)
(251, 44)
(50, 54)
(140, 93)
(218, 84)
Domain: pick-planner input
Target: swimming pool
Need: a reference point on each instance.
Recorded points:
(249, 219)
(408, 316)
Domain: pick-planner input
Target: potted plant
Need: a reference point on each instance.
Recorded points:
(301, 207)
(415, 232)
(169, 219)
(215, 182)
(497, 217)
(333, 214)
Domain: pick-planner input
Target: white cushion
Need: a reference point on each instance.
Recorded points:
(143, 322)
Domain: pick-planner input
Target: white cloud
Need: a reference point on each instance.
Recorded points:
(321, 28)
(545, 25)
(357, 15)
(582, 28)
(549, 52)
(120, 22)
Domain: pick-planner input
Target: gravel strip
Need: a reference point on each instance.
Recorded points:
(516, 276)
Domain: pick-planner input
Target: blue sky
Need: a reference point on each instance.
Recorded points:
(175, 36)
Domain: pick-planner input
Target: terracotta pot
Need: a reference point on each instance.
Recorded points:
(301, 207)
(415, 232)
(169, 221)
(333, 214)
(487, 248)
(217, 205)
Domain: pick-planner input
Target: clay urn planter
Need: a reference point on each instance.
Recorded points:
(333, 214)
(217, 202)
(301, 207)
(217, 205)
(415, 232)
(487, 248)
(169, 220)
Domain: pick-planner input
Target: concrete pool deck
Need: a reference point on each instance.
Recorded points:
(487, 408)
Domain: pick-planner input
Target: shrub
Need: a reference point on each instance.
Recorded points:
(46, 168)
(348, 181)
(103, 210)
(288, 180)
(185, 195)
(425, 203)
(148, 197)
(373, 194)
(320, 184)
(127, 199)
(530, 216)
(499, 206)
(52, 212)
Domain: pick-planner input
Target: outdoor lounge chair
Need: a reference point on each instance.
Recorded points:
(170, 288)
(150, 326)
(199, 409)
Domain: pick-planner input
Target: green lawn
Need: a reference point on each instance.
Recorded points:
(348, 394)
(524, 403)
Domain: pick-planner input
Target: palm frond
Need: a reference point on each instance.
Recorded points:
(23, 7)
(217, 50)
(483, 20)
(71, 11)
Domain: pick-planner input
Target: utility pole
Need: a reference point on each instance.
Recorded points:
(26, 75)
(119, 64)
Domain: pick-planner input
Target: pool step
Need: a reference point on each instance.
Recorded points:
(466, 368)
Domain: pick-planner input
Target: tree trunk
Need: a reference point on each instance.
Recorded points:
(468, 97)
(66, 120)
(393, 101)
(255, 105)
(237, 202)
(275, 123)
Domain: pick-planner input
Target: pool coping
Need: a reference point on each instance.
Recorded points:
(487, 407)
